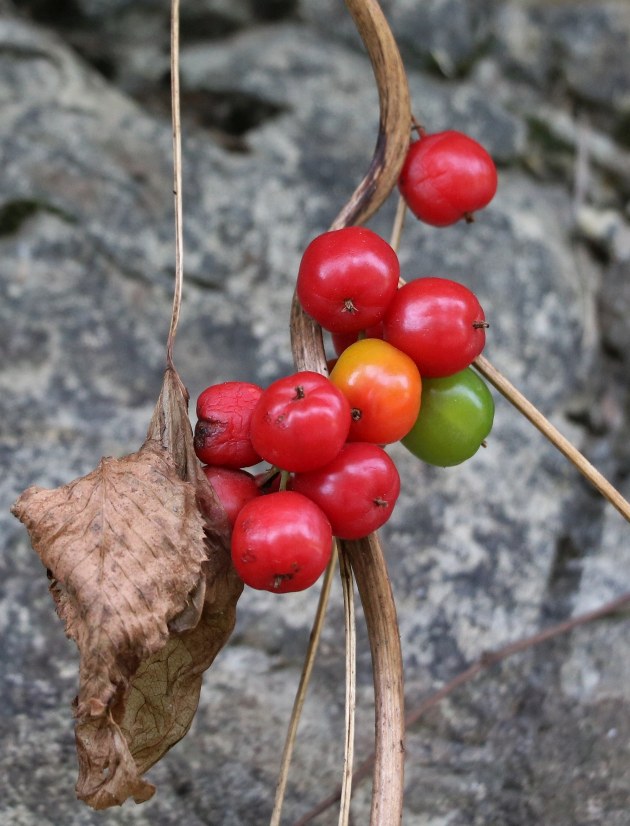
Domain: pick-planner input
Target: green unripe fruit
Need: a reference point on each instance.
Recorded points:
(455, 417)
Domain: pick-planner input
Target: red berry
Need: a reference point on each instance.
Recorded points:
(281, 542)
(343, 340)
(347, 278)
(446, 177)
(438, 323)
(357, 490)
(224, 413)
(233, 488)
(300, 422)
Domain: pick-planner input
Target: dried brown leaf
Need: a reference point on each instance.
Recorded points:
(138, 555)
(124, 545)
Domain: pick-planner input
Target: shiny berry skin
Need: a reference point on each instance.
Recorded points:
(300, 422)
(456, 416)
(347, 278)
(446, 177)
(281, 542)
(341, 341)
(439, 323)
(224, 413)
(383, 387)
(233, 488)
(357, 490)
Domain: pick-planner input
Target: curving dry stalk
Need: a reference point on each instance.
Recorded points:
(366, 556)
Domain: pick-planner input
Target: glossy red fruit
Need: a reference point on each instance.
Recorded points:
(446, 177)
(281, 542)
(357, 490)
(347, 278)
(300, 422)
(233, 488)
(224, 413)
(438, 323)
(342, 341)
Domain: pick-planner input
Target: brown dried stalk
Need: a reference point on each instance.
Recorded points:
(366, 557)
(351, 687)
(177, 181)
(567, 448)
(300, 696)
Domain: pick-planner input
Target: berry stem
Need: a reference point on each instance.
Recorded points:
(368, 565)
(524, 406)
(399, 223)
(298, 703)
(347, 582)
(395, 114)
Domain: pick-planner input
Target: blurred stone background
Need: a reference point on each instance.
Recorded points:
(280, 120)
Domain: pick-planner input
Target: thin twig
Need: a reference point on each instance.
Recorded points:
(399, 223)
(539, 421)
(177, 181)
(298, 703)
(370, 571)
(531, 412)
(351, 687)
(484, 662)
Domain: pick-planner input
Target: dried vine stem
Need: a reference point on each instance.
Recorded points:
(351, 687)
(366, 556)
(300, 696)
(177, 181)
(568, 450)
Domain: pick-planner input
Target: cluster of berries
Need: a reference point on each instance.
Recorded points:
(401, 374)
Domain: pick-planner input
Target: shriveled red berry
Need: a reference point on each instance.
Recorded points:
(357, 490)
(347, 278)
(222, 432)
(446, 177)
(281, 542)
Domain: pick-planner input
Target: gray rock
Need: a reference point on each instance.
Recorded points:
(446, 37)
(479, 555)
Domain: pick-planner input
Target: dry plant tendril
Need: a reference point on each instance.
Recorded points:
(366, 556)
(137, 552)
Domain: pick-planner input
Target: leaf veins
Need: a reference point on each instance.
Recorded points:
(138, 557)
